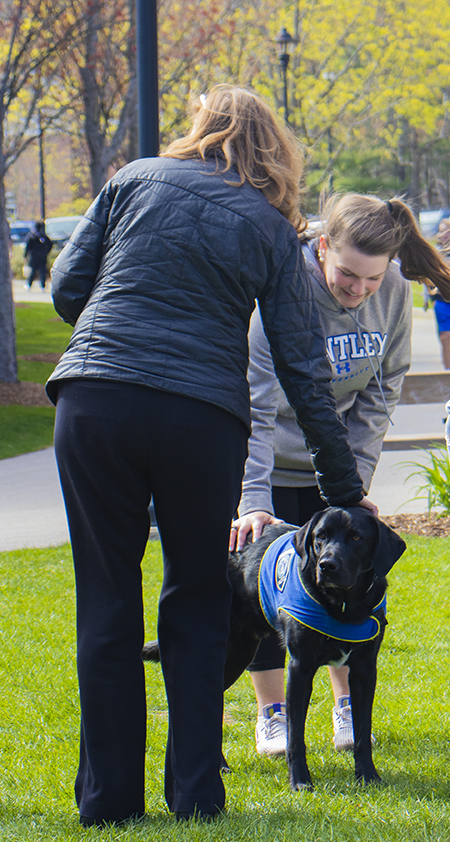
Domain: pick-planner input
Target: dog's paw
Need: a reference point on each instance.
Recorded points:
(224, 767)
(301, 782)
(368, 777)
(299, 775)
(150, 652)
(302, 787)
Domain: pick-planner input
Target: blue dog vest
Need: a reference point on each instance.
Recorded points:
(281, 589)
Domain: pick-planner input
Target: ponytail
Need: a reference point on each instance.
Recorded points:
(418, 258)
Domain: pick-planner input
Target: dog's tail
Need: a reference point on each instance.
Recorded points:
(150, 652)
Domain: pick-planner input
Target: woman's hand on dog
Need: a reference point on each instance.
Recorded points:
(252, 522)
(366, 504)
(255, 521)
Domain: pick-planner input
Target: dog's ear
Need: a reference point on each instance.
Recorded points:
(389, 548)
(304, 538)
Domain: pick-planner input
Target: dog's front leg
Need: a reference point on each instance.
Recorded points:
(362, 680)
(298, 694)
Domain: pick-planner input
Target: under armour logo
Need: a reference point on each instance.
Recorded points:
(341, 368)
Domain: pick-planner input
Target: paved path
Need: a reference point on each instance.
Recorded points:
(22, 293)
(32, 511)
(31, 506)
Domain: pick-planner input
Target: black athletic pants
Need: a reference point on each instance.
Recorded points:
(297, 506)
(38, 269)
(118, 445)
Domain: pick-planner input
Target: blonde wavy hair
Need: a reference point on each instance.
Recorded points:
(239, 130)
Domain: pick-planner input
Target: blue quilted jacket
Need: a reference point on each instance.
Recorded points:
(160, 279)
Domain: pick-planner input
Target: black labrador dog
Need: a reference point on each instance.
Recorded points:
(323, 588)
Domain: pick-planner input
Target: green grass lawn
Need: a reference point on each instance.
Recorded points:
(25, 429)
(39, 722)
(39, 330)
(417, 291)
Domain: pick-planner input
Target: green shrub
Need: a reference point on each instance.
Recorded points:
(436, 475)
(17, 259)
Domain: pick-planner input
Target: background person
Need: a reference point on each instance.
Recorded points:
(365, 305)
(442, 307)
(37, 248)
(160, 280)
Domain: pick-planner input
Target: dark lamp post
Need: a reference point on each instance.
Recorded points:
(285, 44)
(147, 75)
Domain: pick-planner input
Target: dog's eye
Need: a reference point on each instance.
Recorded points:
(356, 537)
(321, 536)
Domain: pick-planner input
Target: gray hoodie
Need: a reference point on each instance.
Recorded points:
(374, 336)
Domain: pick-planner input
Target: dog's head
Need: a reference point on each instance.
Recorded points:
(344, 544)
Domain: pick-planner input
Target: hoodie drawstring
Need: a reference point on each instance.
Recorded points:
(377, 375)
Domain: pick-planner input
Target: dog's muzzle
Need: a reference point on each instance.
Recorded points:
(329, 569)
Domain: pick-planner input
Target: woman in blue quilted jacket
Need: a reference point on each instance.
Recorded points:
(159, 280)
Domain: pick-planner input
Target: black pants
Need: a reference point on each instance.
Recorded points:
(297, 506)
(38, 269)
(117, 445)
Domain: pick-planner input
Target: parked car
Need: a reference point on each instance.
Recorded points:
(60, 229)
(19, 230)
(429, 220)
(315, 223)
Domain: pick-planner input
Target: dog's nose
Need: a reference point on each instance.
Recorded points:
(328, 565)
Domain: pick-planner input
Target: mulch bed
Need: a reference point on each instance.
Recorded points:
(40, 358)
(23, 394)
(28, 394)
(432, 527)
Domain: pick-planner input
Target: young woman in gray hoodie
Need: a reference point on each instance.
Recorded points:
(365, 304)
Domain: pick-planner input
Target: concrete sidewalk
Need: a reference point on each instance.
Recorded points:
(31, 507)
(32, 511)
(35, 294)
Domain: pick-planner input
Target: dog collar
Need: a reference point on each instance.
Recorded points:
(282, 590)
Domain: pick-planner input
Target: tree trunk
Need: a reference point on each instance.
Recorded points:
(132, 146)
(8, 364)
(442, 188)
(403, 145)
(414, 193)
(133, 133)
(102, 152)
(91, 98)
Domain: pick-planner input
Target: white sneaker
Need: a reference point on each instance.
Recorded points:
(344, 739)
(271, 730)
(343, 725)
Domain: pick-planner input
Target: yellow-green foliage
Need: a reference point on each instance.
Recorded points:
(362, 72)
